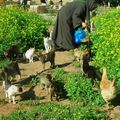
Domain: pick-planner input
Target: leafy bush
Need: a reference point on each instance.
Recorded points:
(78, 88)
(58, 74)
(106, 42)
(30, 103)
(76, 63)
(52, 111)
(34, 80)
(21, 27)
(4, 63)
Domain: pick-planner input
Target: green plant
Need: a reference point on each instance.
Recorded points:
(18, 26)
(51, 111)
(79, 88)
(106, 42)
(58, 73)
(76, 63)
(30, 103)
(4, 63)
(34, 80)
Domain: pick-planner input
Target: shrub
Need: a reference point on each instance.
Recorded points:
(4, 63)
(52, 111)
(30, 103)
(21, 27)
(106, 42)
(78, 88)
(34, 80)
(58, 74)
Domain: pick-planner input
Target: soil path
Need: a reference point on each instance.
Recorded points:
(62, 59)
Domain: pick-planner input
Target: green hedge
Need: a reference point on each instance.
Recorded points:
(50, 111)
(78, 88)
(107, 42)
(22, 27)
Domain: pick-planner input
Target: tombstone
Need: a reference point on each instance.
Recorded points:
(108, 4)
(37, 9)
(28, 2)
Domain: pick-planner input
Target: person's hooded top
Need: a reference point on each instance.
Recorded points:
(69, 17)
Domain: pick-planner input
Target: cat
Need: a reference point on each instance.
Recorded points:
(46, 57)
(53, 88)
(11, 91)
(91, 71)
(11, 72)
(6, 84)
(79, 53)
(12, 52)
(92, 26)
(48, 43)
(29, 54)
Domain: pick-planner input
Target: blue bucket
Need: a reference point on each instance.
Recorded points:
(79, 35)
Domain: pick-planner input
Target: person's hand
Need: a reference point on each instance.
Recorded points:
(84, 25)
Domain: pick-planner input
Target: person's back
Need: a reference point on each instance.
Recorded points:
(70, 17)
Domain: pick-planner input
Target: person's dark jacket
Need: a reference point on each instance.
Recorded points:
(69, 17)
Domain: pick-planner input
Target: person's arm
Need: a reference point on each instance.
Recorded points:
(78, 19)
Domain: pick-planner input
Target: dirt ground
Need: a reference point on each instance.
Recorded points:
(62, 59)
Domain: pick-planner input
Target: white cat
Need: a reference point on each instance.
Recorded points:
(48, 43)
(11, 90)
(29, 54)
